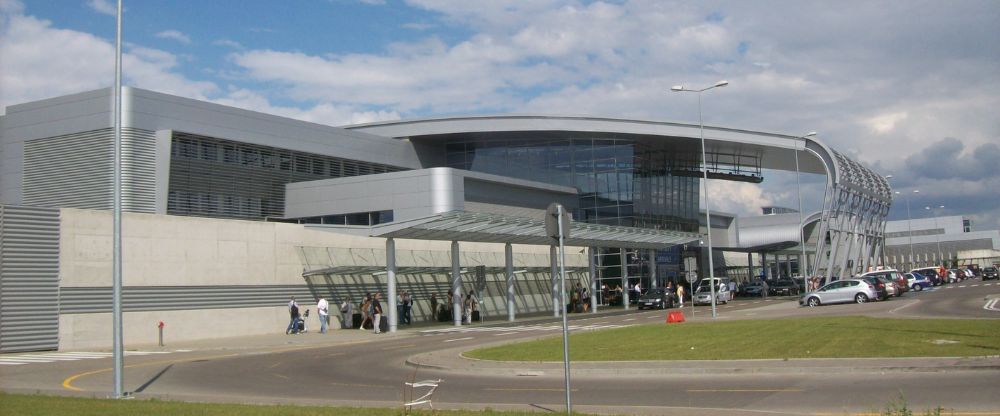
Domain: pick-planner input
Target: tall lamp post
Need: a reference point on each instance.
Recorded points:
(118, 346)
(937, 236)
(909, 229)
(708, 214)
(802, 233)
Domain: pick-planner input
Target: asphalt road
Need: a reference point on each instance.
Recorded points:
(363, 369)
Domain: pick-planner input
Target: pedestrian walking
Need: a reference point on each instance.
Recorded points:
(366, 307)
(293, 316)
(294, 326)
(434, 307)
(680, 294)
(323, 312)
(408, 308)
(377, 313)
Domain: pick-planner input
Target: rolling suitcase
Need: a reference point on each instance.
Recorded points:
(383, 324)
(475, 316)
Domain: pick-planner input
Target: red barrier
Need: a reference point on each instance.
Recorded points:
(675, 317)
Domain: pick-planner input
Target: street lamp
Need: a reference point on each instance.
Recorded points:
(937, 236)
(708, 214)
(802, 234)
(909, 229)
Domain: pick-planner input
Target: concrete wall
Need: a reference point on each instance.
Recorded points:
(165, 252)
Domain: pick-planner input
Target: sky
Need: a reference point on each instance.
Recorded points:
(906, 87)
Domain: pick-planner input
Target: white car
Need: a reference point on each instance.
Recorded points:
(840, 291)
(703, 296)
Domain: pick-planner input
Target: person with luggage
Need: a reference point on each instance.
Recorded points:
(346, 313)
(296, 320)
(293, 312)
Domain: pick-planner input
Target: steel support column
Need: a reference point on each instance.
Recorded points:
(554, 261)
(456, 284)
(390, 268)
(508, 254)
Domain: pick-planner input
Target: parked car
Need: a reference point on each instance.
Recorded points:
(931, 273)
(969, 273)
(721, 286)
(956, 275)
(894, 276)
(917, 281)
(783, 287)
(975, 269)
(755, 288)
(703, 296)
(989, 273)
(656, 298)
(841, 291)
(897, 278)
(877, 284)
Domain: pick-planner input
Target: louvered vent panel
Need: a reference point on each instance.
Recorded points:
(77, 170)
(29, 278)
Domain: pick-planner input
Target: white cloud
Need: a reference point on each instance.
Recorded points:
(228, 43)
(103, 7)
(885, 123)
(11, 7)
(738, 197)
(175, 35)
(324, 113)
(35, 54)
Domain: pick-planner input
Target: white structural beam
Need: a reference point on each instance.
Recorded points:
(390, 268)
(508, 252)
(456, 285)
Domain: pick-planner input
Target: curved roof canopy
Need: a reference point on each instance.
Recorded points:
(775, 151)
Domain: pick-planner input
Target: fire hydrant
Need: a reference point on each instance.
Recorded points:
(161, 325)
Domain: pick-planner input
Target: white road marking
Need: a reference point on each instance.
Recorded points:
(49, 357)
(504, 330)
(992, 305)
(458, 339)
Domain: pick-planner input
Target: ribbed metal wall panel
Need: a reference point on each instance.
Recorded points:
(77, 171)
(162, 298)
(29, 278)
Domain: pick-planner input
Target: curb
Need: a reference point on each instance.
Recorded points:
(451, 361)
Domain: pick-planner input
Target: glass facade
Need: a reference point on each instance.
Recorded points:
(624, 182)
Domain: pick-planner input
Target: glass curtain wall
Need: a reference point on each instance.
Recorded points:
(621, 181)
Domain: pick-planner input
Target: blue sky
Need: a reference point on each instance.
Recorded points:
(906, 87)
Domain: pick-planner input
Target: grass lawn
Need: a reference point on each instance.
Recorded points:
(824, 337)
(33, 405)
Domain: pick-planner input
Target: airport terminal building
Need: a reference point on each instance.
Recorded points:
(229, 212)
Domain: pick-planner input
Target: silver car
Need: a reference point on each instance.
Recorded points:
(841, 291)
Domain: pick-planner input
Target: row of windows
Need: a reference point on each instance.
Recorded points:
(215, 205)
(191, 147)
(358, 218)
(224, 179)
